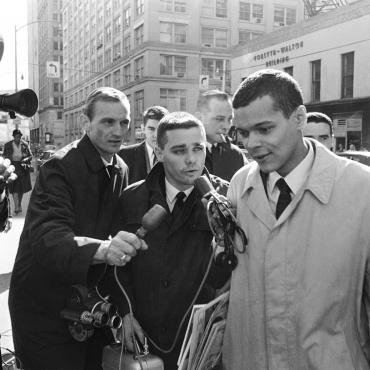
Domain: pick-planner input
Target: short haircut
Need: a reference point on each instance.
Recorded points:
(176, 121)
(107, 94)
(279, 85)
(156, 112)
(317, 117)
(205, 97)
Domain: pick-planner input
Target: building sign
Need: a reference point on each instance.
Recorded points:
(279, 55)
(203, 82)
(52, 69)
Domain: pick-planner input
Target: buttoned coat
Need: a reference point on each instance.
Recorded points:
(299, 297)
(163, 280)
(67, 201)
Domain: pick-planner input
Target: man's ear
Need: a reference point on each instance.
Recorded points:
(85, 122)
(158, 153)
(300, 117)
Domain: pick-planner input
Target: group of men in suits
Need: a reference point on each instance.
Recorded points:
(214, 110)
(79, 202)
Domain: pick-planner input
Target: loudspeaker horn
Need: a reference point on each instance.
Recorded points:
(24, 102)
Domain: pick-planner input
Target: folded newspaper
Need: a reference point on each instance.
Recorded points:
(201, 349)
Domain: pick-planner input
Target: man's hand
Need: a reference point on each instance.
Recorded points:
(120, 249)
(7, 174)
(8, 225)
(128, 334)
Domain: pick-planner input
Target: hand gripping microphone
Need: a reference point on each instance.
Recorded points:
(222, 223)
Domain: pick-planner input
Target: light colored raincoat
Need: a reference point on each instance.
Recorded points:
(300, 297)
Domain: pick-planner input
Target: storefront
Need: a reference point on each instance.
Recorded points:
(329, 56)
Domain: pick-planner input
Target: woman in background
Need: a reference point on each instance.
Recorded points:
(19, 153)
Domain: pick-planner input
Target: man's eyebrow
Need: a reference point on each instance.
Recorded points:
(180, 146)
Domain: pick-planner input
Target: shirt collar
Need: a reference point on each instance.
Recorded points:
(106, 163)
(150, 150)
(295, 178)
(171, 192)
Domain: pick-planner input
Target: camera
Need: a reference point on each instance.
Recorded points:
(87, 310)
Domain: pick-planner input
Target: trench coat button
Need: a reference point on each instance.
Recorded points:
(165, 283)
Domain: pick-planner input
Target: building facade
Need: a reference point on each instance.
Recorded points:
(46, 71)
(328, 55)
(158, 51)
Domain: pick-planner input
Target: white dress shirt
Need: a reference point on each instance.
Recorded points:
(295, 179)
(171, 193)
(150, 152)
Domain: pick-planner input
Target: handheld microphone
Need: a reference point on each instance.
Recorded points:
(222, 223)
(151, 220)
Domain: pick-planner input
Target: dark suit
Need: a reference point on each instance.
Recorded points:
(136, 158)
(71, 198)
(163, 280)
(224, 160)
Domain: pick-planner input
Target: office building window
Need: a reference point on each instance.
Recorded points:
(173, 65)
(251, 12)
(127, 44)
(214, 37)
(108, 33)
(127, 14)
(99, 63)
(216, 68)
(284, 16)
(139, 35)
(315, 80)
(172, 32)
(173, 99)
(107, 80)
(117, 26)
(139, 104)
(117, 50)
(347, 74)
(214, 8)
(99, 40)
(178, 6)
(289, 70)
(117, 78)
(245, 36)
(139, 7)
(139, 68)
(107, 57)
(127, 74)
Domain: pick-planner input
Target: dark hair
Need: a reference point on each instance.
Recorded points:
(317, 117)
(280, 86)
(108, 94)
(205, 97)
(17, 132)
(156, 112)
(175, 121)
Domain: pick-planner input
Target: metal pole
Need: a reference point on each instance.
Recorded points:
(15, 58)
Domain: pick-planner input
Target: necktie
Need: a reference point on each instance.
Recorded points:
(114, 179)
(155, 159)
(178, 205)
(284, 197)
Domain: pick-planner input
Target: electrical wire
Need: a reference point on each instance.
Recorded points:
(170, 349)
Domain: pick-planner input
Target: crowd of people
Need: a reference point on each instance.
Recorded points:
(298, 296)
